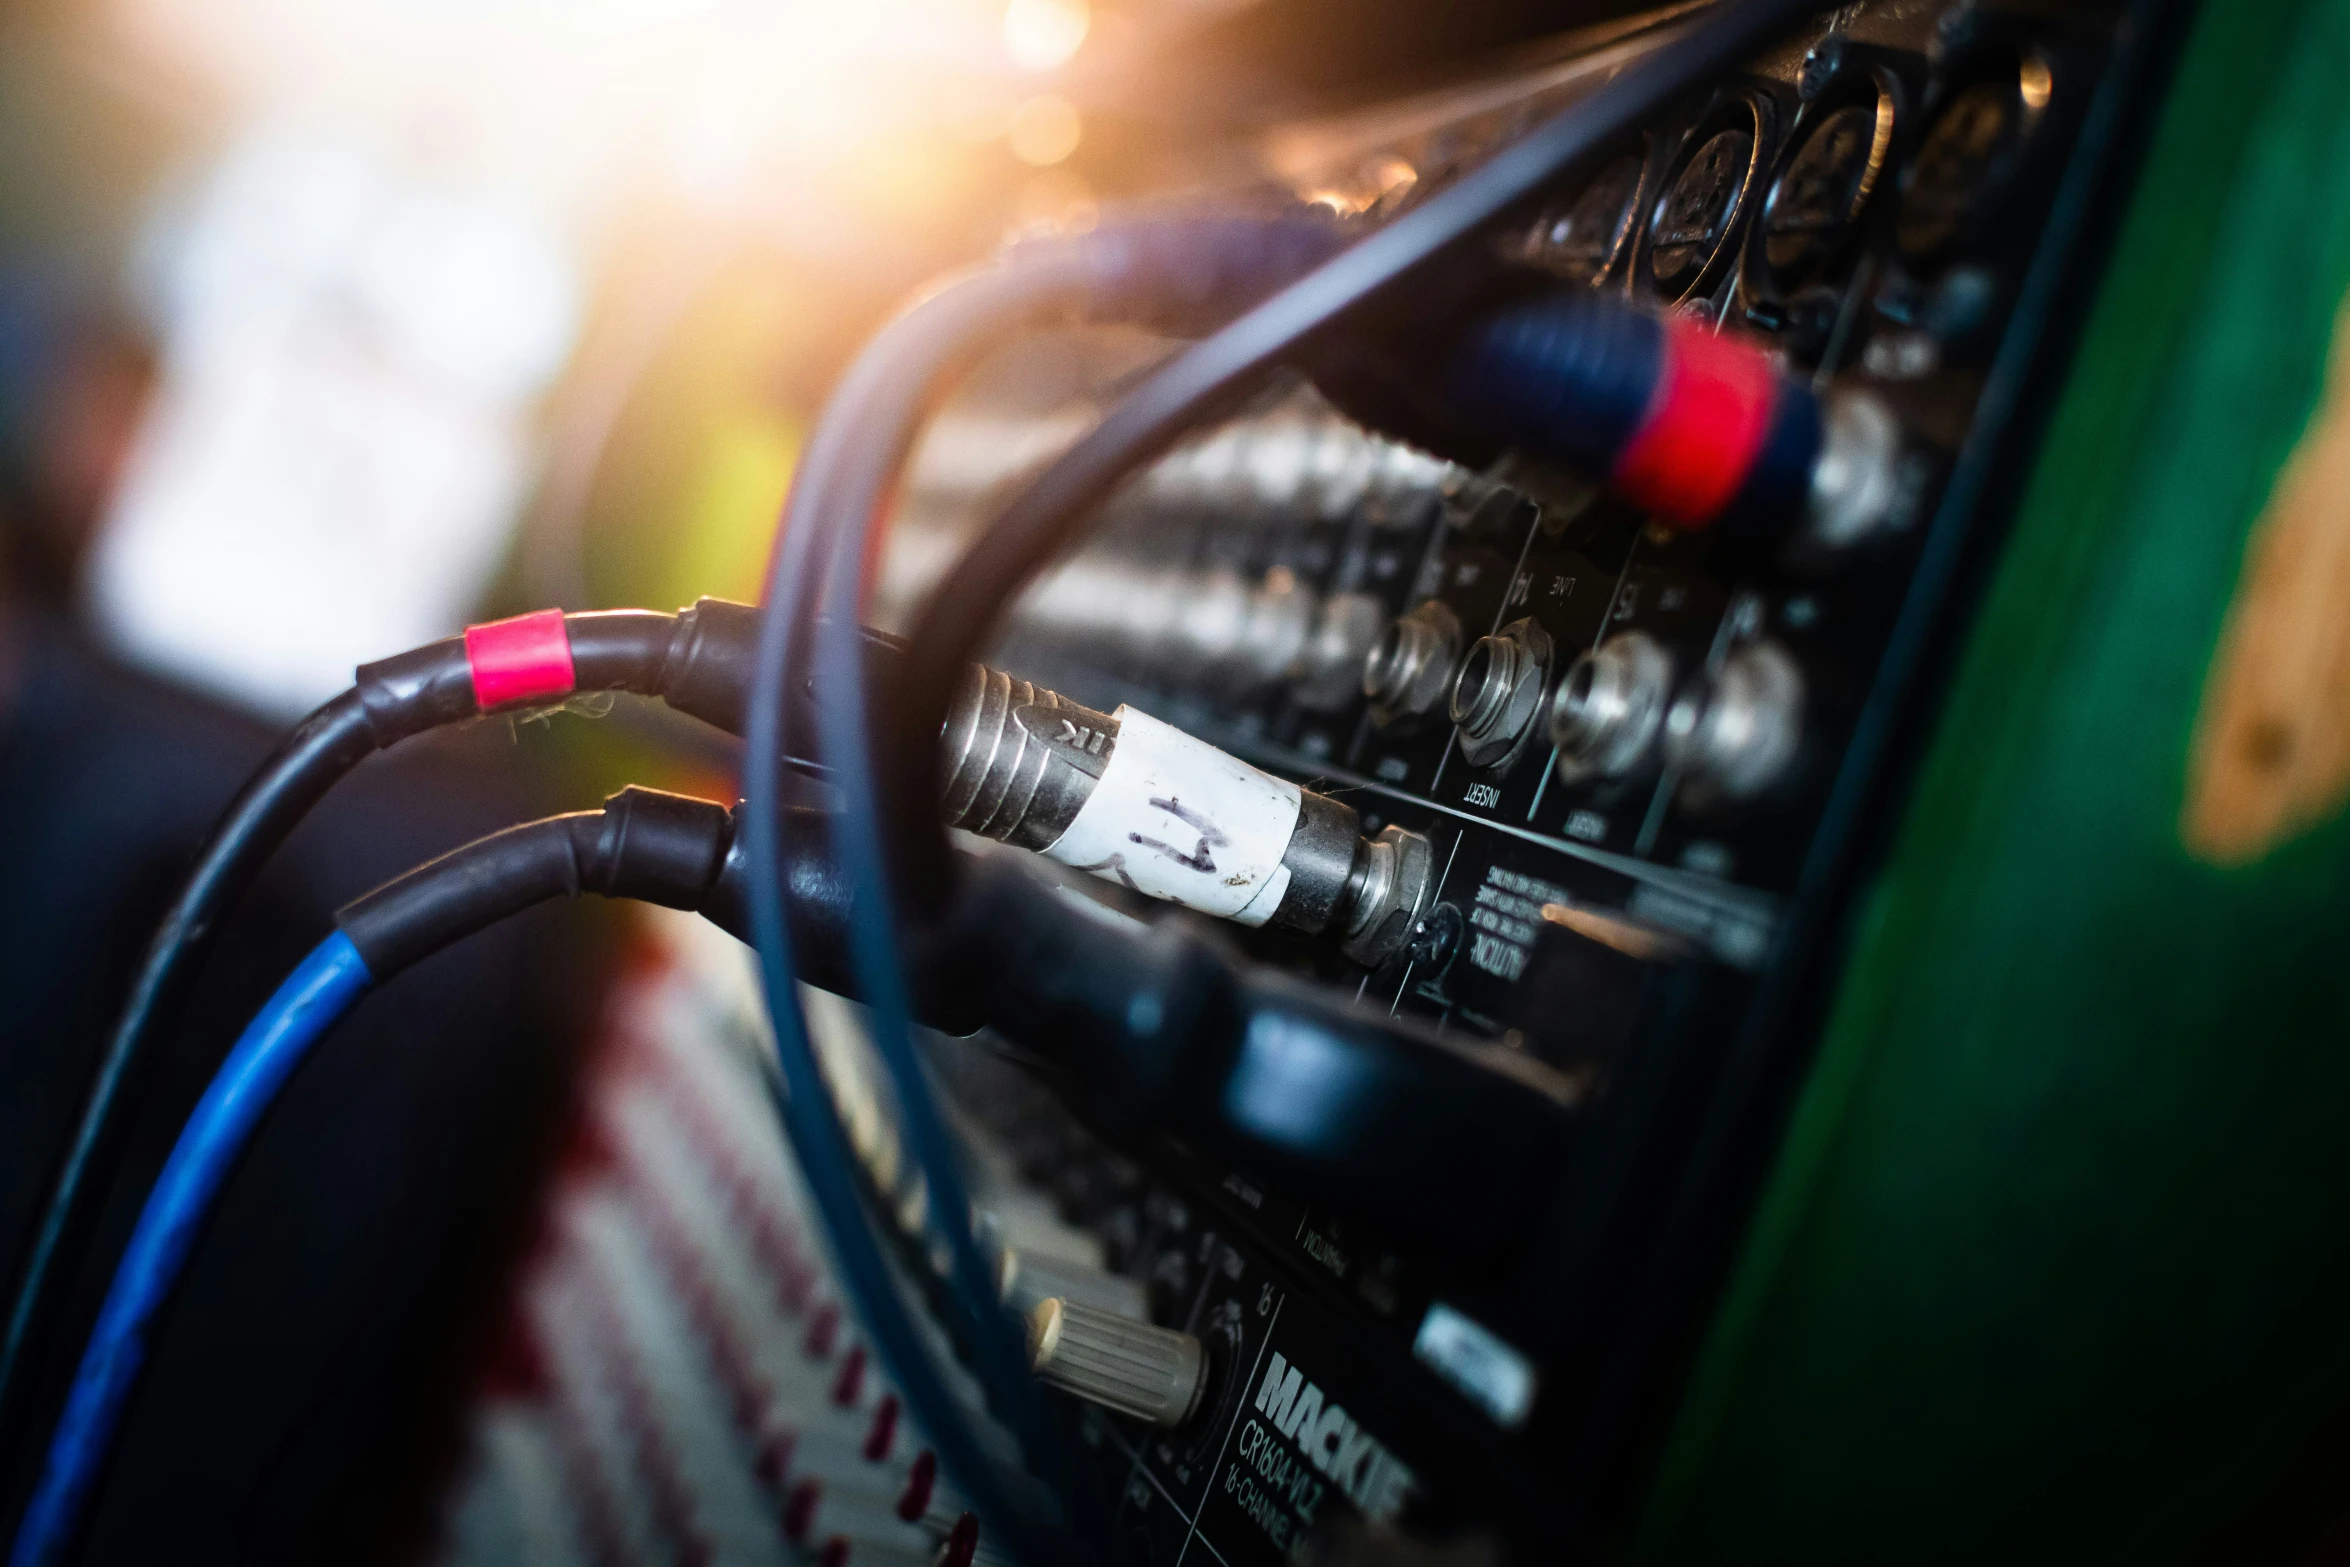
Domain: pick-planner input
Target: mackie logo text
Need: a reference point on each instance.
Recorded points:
(1373, 1478)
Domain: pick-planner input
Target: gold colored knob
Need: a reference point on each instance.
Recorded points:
(1151, 1373)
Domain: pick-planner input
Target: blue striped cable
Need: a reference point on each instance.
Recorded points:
(313, 999)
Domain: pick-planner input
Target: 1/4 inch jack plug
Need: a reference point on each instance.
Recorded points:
(1137, 801)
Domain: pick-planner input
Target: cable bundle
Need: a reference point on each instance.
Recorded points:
(692, 660)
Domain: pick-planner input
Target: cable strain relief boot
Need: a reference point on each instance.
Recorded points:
(1324, 852)
(706, 671)
(655, 847)
(423, 688)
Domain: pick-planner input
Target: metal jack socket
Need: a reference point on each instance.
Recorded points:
(1856, 479)
(1735, 736)
(1610, 708)
(1498, 691)
(1410, 668)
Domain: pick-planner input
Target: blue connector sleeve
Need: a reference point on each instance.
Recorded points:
(1781, 475)
(328, 984)
(1571, 376)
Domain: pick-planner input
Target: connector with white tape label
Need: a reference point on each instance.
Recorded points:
(1129, 798)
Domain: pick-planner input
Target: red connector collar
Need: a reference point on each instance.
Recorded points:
(1705, 427)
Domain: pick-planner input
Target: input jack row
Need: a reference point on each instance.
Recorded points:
(1629, 708)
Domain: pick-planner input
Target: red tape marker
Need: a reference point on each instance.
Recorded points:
(921, 1480)
(1705, 427)
(884, 1430)
(526, 659)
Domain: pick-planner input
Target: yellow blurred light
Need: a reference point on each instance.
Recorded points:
(746, 462)
(1040, 34)
(1373, 183)
(907, 178)
(1056, 200)
(574, 99)
(1044, 130)
(2037, 84)
(1387, 175)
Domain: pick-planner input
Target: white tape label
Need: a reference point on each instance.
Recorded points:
(1175, 818)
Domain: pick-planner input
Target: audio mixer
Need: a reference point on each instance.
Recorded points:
(1644, 759)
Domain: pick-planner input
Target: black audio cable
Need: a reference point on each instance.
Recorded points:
(1173, 268)
(696, 661)
(955, 321)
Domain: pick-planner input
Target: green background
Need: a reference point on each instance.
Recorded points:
(2055, 1262)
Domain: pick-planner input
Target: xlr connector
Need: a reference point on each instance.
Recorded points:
(1128, 798)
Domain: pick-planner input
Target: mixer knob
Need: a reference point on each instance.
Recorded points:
(1152, 1373)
